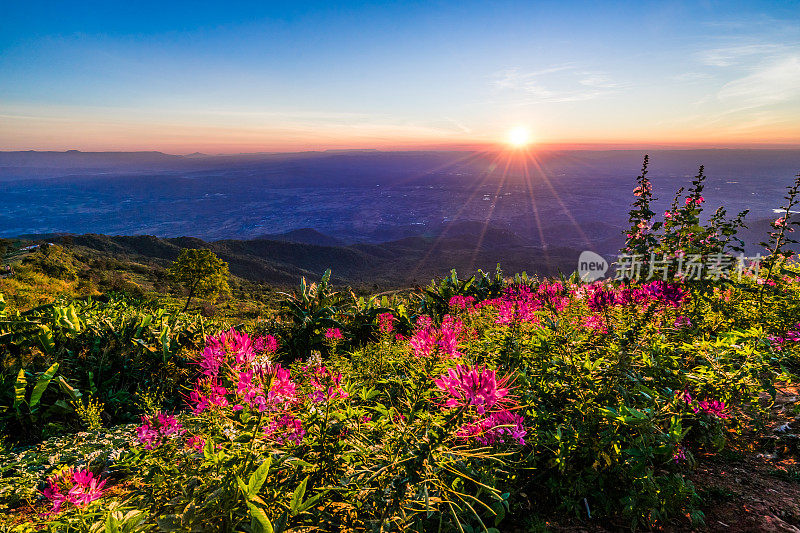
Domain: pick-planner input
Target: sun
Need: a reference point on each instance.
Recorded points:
(519, 137)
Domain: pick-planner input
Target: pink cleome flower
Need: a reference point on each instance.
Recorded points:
(428, 340)
(333, 334)
(207, 393)
(196, 442)
(666, 293)
(286, 429)
(325, 385)
(476, 388)
(251, 376)
(235, 349)
(385, 323)
(80, 488)
(595, 323)
(154, 428)
(713, 408)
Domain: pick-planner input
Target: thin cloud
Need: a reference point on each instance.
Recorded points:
(562, 83)
(738, 55)
(774, 83)
(688, 77)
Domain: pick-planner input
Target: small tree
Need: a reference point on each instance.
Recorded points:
(201, 272)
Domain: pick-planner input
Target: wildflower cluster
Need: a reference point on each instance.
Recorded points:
(462, 303)
(285, 429)
(714, 408)
(385, 323)
(429, 340)
(78, 488)
(477, 394)
(334, 334)
(237, 358)
(517, 304)
(155, 429)
(790, 337)
(325, 385)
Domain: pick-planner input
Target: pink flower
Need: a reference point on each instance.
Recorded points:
(594, 323)
(776, 342)
(643, 189)
(472, 387)
(714, 408)
(680, 455)
(385, 323)
(53, 493)
(282, 390)
(147, 435)
(78, 488)
(196, 442)
(207, 393)
(155, 428)
(429, 340)
(518, 304)
(82, 495)
(326, 386)
(169, 425)
(683, 322)
(333, 334)
(286, 429)
(600, 298)
(235, 349)
(696, 201)
(666, 293)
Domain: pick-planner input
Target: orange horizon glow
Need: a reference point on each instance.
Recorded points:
(221, 147)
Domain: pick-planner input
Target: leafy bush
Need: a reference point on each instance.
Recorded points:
(111, 348)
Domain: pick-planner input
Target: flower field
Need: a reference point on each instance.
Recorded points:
(493, 403)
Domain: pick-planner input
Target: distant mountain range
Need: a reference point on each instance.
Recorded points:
(396, 216)
(407, 262)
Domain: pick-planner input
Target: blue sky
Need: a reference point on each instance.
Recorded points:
(237, 76)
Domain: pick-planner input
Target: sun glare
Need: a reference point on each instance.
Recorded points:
(519, 137)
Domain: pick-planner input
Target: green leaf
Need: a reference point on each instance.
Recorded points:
(73, 393)
(242, 486)
(260, 516)
(170, 522)
(19, 389)
(165, 344)
(258, 477)
(208, 450)
(311, 501)
(41, 385)
(46, 339)
(297, 497)
(111, 524)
